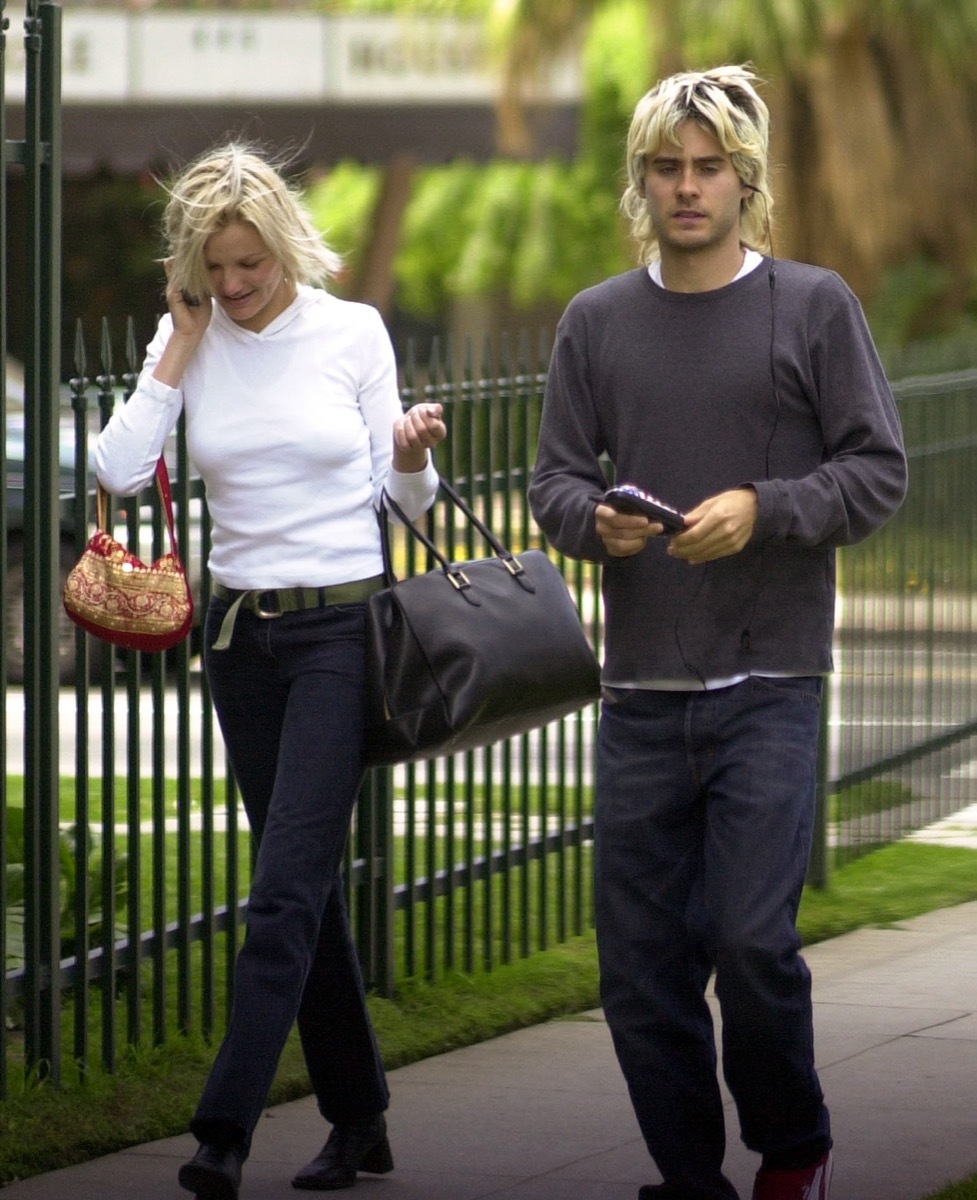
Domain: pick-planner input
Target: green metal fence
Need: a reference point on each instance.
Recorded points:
(463, 863)
(458, 864)
(124, 854)
(903, 702)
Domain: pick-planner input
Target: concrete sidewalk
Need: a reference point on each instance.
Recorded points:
(542, 1114)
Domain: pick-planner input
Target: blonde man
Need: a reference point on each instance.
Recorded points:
(745, 392)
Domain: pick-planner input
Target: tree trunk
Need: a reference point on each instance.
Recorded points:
(880, 161)
(375, 279)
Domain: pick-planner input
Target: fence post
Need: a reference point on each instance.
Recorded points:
(42, 161)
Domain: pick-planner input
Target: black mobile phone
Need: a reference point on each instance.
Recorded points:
(190, 301)
(630, 499)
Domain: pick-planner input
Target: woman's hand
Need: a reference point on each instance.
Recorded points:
(415, 433)
(189, 319)
(190, 323)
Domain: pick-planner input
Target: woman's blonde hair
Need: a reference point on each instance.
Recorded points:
(725, 102)
(237, 183)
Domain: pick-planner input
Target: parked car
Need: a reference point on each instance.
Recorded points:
(13, 616)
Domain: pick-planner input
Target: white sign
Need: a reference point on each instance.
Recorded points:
(181, 57)
(95, 57)
(205, 56)
(398, 60)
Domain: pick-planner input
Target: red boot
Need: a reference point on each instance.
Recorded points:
(804, 1183)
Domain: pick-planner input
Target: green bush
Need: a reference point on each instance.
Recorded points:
(69, 858)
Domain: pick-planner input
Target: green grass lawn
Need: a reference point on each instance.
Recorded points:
(461, 832)
(965, 1189)
(173, 867)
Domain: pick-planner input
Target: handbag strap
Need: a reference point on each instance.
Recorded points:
(165, 495)
(454, 574)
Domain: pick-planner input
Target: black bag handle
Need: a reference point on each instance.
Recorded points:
(454, 574)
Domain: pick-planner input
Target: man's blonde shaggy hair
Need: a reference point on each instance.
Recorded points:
(237, 183)
(725, 102)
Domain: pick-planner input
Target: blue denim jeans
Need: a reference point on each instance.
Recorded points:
(289, 696)
(705, 806)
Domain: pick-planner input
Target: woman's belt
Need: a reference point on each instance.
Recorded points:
(274, 602)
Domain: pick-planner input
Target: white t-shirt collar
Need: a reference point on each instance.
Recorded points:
(751, 260)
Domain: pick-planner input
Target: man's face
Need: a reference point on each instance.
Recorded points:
(693, 193)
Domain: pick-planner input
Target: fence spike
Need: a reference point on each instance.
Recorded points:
(408, 392)
(106, 348)
(522, 355)
(434, 360)
(505, 356)
(78, 384)
(449, 352)
(446, 384)
(131, 375)
(106, 380)
(80, 357)
(132, 360)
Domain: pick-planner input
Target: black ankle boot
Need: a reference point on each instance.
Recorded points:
(356, 1146)
(214, 1172)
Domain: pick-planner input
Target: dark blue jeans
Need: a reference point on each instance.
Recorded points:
(705, 805)
(289, 695)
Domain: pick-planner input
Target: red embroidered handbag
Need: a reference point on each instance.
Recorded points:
(115, 596)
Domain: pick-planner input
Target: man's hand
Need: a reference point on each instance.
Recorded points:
(624, 534)
(718, 527)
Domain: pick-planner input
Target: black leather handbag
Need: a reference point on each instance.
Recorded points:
(470, 653)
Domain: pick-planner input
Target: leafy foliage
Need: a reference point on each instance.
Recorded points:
(857, 194)
(909, 305)
(68, 858)
(871, 100)
(341, 205)
(617, 62)
(535, 233)
(436, 223)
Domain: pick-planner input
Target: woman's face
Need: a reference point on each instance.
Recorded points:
(246, 279)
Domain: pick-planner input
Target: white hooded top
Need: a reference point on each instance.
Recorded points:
(291, 430)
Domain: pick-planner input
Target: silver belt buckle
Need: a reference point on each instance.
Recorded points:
(264, 614)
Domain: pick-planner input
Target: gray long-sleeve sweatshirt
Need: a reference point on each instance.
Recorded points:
(772, 381)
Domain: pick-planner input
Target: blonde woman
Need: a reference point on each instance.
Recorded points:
(294, 422)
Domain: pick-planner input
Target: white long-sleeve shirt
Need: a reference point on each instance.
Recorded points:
(291, 430)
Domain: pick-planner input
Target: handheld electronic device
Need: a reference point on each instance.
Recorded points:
(628, 498)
